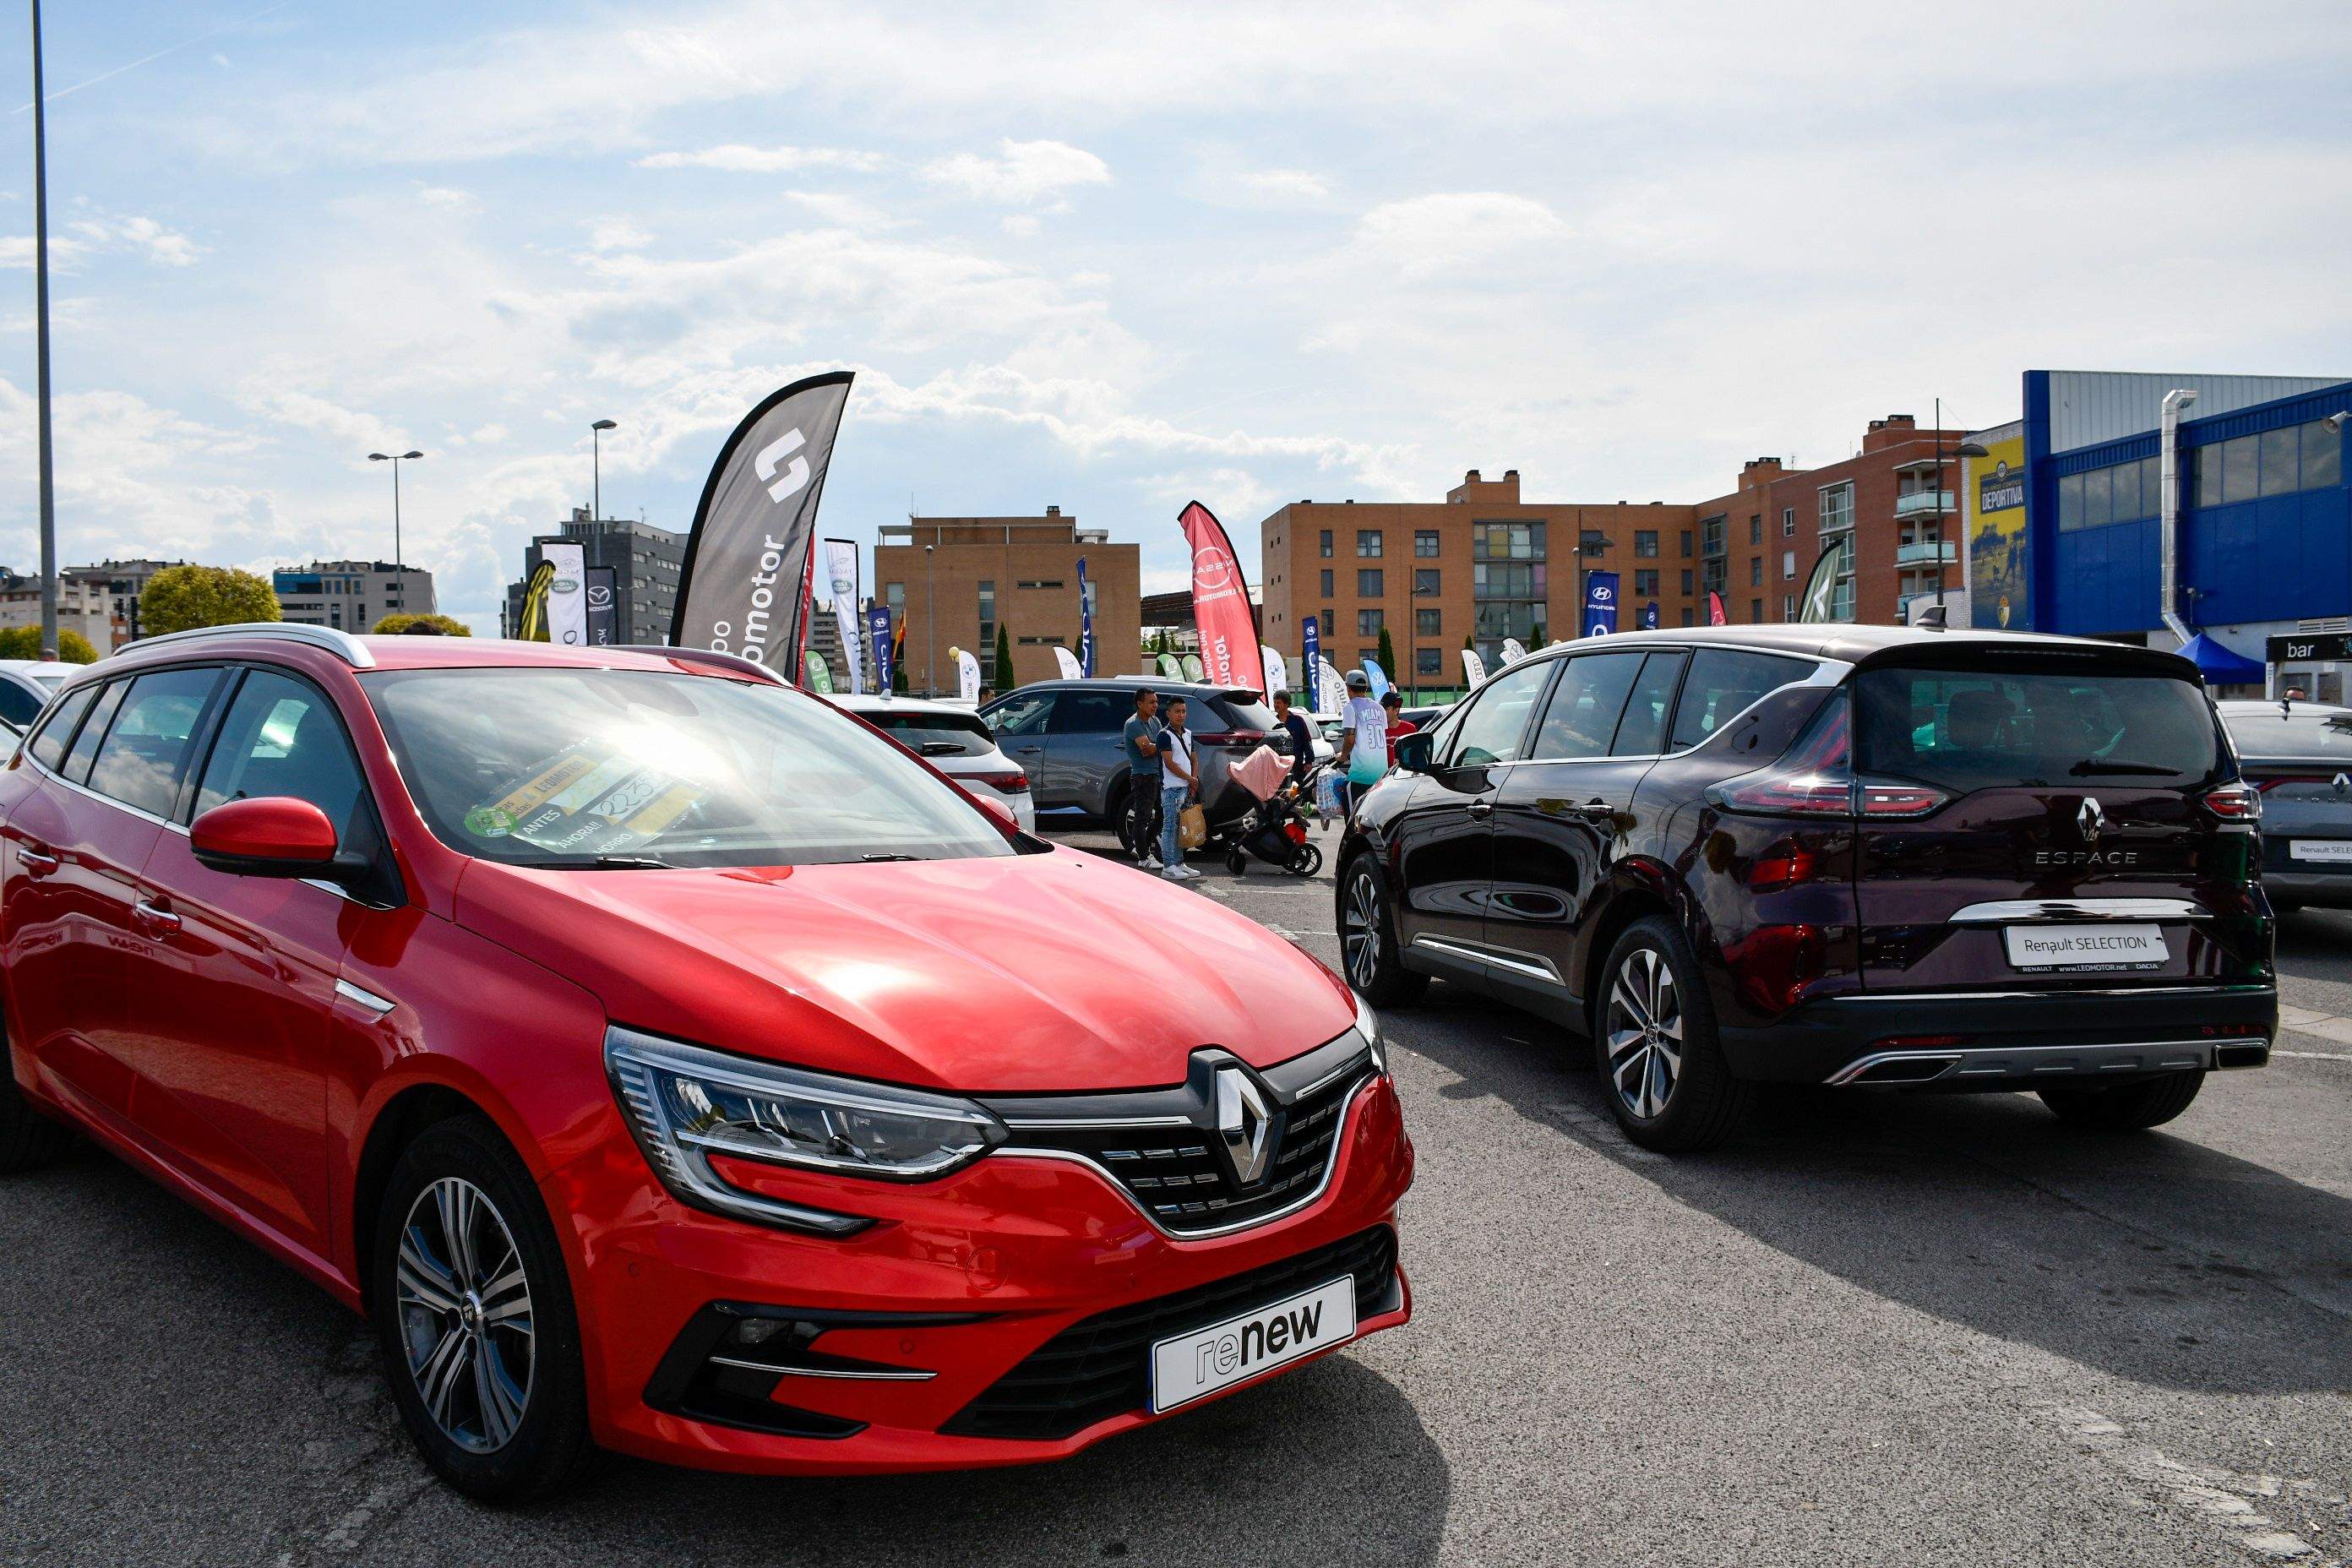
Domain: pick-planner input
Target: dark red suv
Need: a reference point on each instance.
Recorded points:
(1874, 856)
(665, 1059)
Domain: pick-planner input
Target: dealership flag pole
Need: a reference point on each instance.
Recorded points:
(744, 586)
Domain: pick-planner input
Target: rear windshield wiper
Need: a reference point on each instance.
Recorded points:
(942, 748)
(2101, 765)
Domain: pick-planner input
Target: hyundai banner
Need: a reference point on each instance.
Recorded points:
(1599, 604)
(841, 578)
(744, 586)
(1221, 606)
(567, 594)
(1650, 617)
(1085, 624)
(877, 623)
(1310, 652)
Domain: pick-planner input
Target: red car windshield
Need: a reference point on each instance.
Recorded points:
(575, 768)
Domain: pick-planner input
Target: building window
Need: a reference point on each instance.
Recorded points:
(1690, 617)
(986, 651)
(1645, 544)
(1327, 582)
(1645, 582)
(1367, 623)
(1425, 579)
(1330, 621)
(1756, 529)
(1686, 582)
(1787, 564)
(1755, 612)
(1368, 656)
(1590, 542)
(1323, 546)
(1368, 544)
(1788, 606)
(1428, 661)
(1837, 507)
(1425, 623)
(1425, 544)
(1711, 536)
(1788, 522)
(1370, 584)
(1686, 543)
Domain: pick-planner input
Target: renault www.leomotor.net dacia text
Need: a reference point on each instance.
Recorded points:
(667, 1060)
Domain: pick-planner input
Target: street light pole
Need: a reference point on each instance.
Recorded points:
(41, 346)
(399, 572)
(931, 620)
(596, 468)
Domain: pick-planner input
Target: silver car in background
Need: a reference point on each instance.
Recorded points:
(1071, 736)
(2299, 754)
(952, 739)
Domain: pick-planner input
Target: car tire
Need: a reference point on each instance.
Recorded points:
(1368, 944)
(506, 1417)
(27, 1139)
(1655, 1043)
(2126, 1107)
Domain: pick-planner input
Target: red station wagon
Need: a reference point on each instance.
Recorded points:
(666, 1060)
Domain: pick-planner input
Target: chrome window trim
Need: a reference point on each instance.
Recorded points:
(2005, 911)
(1826, 672)
(1322, 1184)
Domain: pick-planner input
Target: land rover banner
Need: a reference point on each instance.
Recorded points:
(744, 587)
(567, 594)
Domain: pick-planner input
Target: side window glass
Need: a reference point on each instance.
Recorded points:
(49, 744)
(18, 706)
(1091, 712)
(1642, 732)
(1020, 715)
(1496, 727)
(282, 738)
(145, 751)
(85, 744)
(1586, 703)
(1723, 682)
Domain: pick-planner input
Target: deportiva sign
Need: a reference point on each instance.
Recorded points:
(744, 586)
(1221, 606)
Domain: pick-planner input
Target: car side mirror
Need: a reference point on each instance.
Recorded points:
(275, 835)
(1001, 813)
(1412, 752)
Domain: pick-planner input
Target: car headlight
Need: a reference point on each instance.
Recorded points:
(1368, 1024)
(686, 1104)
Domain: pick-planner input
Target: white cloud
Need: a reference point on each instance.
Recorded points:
(1284, 185)
(617, 234)
(75, 243)
(1479, 230)
(1022, 173)
(449, 199)
(736, 158)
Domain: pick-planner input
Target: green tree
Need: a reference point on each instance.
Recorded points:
(1388, 656)
(25, 642)
(1005, 681)
(181, 598)
(399, 621)
(899, 678)
(1535, 636)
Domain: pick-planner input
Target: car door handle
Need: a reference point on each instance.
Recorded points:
(1480, 810)
(155, 915)
(36, 864)
(1029, 750)
(1594, 810)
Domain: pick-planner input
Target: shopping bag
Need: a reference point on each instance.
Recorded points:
(1193, 827)
(1327, 797)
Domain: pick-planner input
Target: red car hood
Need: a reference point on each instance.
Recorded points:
(1025, 974)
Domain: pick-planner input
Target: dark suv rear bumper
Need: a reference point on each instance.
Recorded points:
(2009, 1040)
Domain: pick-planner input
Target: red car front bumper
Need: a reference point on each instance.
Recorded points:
(1014, 1249)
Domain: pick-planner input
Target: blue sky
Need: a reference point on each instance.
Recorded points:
(1113, 257)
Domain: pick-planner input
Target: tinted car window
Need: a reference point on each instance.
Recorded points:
(18, 705)
(146, 748)
(1020, 715)
(1966, 729)
(1244, 713)
(85, 742)
(1585, 706)
(935, 734)
(1722, 683)
(49, 744)
(1495, 728)
(1091, 712)
(1642, 732)
(282, 738)
(2318, 736)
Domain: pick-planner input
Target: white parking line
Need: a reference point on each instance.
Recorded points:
(2220, 1499)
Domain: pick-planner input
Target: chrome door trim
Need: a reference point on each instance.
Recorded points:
(2003, 912)
(365, 998)
(1534, 966)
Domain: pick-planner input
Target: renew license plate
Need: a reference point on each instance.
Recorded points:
(2106, 945)
(2329, 851)
(1195, 1365)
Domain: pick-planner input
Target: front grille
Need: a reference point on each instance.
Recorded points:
(1101, 1366)
(1181, 1179)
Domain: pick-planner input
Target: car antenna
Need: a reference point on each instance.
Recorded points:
(1930, 619)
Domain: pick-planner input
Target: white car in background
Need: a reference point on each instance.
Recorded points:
(953, 739)
(26, 687)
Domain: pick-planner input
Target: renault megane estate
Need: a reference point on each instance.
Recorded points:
(667, 1060)
(1867, 856)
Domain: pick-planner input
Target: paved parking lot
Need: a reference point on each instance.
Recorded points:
(1872, 1330)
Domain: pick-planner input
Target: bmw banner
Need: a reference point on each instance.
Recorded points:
(1599, 604)
(877, 622)
(1085, 624)
(744, 586)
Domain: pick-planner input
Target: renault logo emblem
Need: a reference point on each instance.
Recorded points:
(2342, 782)
(2091, 819)
(1244, 1125)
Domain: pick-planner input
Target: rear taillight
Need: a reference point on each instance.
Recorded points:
(1899, 800)
(2235, 803)
(1009, 784)
(1232, 738)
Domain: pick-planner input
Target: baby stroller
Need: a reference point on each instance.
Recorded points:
(1275, 831)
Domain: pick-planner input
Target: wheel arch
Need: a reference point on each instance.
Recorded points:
(399, 1115)
(1637, 888)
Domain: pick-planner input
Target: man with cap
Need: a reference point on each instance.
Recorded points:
(1363, 737)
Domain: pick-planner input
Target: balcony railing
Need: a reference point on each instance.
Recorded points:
(1927, 552)
(1923, 503)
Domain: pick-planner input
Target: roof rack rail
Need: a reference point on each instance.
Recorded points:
(341, 644)
(732, 663)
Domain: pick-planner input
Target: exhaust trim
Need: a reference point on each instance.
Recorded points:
(1991, 1062)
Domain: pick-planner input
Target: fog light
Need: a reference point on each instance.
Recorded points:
(759, 1330)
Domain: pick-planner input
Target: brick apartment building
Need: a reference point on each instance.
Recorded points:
(1487, 563)
(974, 571)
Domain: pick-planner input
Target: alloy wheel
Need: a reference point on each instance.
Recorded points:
(1359, 933)
(1645, 1033)
(463, 1300)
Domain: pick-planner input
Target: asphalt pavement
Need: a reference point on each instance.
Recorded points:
(1872, 1330)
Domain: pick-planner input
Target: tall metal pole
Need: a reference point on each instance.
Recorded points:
(398, 577)
(596, 473)
(931, 616)
(41, 347)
